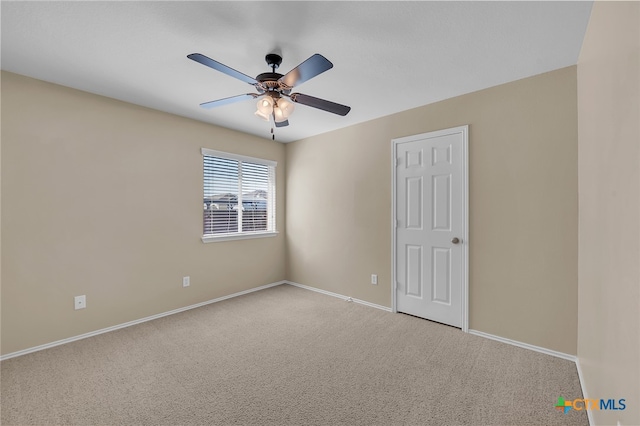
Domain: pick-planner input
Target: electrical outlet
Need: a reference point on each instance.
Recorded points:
(186, 282)
(80, 302)
(374, 279)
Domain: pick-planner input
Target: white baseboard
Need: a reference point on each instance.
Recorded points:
(584, 391)
(134, 322)
(524, 345)
(546, 351)
(339, 296)
(329, 293)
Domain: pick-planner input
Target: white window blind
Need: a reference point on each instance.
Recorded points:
(239, 196)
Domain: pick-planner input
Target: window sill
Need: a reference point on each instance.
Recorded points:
(244, 236)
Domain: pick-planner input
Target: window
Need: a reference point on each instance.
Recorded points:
(239, 196)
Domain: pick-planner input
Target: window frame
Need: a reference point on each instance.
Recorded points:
(271, 208)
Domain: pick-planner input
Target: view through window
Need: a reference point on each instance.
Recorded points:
(239, 194)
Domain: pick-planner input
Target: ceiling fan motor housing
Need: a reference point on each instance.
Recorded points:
(270, 82)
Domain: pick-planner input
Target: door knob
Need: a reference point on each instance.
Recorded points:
(456, 240)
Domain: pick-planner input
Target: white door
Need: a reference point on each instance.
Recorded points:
(430, 238)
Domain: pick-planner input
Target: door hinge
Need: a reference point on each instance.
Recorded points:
(397, 161)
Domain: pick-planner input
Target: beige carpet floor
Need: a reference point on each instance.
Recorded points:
(287, 356)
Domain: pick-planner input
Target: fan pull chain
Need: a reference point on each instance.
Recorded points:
(273, 136)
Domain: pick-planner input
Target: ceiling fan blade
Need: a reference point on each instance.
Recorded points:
(227, 101)
(315, 65)
(198, 57)
(320, 104)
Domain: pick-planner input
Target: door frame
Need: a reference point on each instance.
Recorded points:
(465, 205)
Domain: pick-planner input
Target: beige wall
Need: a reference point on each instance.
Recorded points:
(523, 206)
(609, 182)
(104, 198)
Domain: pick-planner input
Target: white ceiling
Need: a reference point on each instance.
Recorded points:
(387, 56)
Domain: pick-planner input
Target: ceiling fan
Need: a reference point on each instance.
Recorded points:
(274, 89)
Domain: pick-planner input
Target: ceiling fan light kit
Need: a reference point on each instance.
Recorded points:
(262, 115)
(282, 109)
(274, 88)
